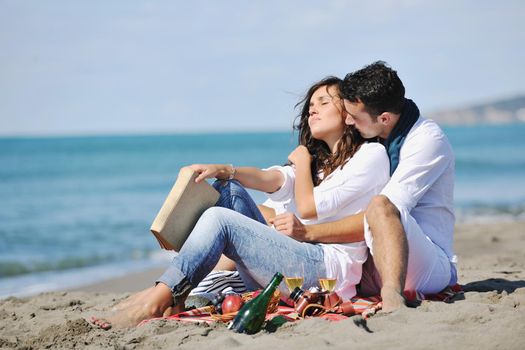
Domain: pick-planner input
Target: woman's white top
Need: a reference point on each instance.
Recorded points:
(344, 192)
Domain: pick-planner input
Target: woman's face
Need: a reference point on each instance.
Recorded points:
(326, 119)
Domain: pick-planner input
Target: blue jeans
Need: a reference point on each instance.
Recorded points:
(258, 250)
(235, 197)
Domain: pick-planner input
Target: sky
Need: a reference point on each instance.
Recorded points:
(147, 67)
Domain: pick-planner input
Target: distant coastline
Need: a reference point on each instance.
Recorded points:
(496, 112)
(503, 111)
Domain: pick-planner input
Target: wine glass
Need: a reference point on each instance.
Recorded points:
(328, 283)
(294, 277)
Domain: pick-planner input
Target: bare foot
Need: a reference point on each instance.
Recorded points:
(132, 299)
(156, 302)
(100, 323)
(392, 299)
(133, 315)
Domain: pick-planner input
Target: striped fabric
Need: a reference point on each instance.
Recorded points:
(220, 282)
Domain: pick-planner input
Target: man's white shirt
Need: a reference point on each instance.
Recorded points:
(423, 183)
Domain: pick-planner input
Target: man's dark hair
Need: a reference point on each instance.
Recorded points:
(377, 86)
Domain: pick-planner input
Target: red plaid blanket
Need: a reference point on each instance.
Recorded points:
(365, 306)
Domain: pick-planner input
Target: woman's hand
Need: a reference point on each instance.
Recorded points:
(300, 156)
(208, 171)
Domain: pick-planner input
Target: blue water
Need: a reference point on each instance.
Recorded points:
(490, 168)
(77, 209)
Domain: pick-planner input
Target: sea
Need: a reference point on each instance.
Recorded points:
(77, 210)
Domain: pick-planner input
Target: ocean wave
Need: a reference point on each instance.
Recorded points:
(39, 282)
(12, 268)
(492, 164)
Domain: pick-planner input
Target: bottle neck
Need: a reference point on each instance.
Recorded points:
(274, 283)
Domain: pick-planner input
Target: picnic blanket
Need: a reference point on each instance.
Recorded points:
(365, 306)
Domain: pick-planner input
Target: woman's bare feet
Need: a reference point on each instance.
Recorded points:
(132, 299)
(100, 323)
(156, 302)
(392, 299)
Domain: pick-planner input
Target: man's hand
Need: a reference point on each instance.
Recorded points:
(289, 224)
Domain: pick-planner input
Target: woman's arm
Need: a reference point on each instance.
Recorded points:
(304, 186)
(250, 177)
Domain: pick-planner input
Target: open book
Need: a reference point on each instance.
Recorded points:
(182, 208)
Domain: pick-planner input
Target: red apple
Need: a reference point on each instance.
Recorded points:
(231, 303)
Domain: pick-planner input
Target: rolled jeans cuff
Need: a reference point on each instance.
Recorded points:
(176, 281)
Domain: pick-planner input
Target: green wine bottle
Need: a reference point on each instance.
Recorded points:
(251, 316)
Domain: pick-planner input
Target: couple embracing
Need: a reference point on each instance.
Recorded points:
(367, 196)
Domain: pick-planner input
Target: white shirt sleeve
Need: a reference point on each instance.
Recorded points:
(367, 170)
(286, 191)
(423, 158)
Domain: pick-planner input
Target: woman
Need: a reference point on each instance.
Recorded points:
(339, 180)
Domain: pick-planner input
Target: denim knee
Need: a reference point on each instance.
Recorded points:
(228, 190)
(230, 186)
(219, 185)
(235, 197)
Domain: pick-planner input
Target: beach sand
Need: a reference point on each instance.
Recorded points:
(490, 315)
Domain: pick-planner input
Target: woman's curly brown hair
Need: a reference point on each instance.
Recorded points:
(322, 158)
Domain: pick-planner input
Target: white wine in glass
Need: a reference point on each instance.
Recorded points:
(295, 276)
(293, 282)
(327, 284)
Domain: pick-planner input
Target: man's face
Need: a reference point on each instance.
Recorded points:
(357, 116)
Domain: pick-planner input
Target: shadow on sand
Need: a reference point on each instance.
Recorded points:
(493, 284)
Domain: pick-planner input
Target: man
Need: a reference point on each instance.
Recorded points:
(409, 226)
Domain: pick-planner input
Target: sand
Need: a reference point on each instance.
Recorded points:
(490, 315)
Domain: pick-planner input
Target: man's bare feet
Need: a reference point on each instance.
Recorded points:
(392, 299)
(157, 302)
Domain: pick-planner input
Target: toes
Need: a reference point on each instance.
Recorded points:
(101, 323)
